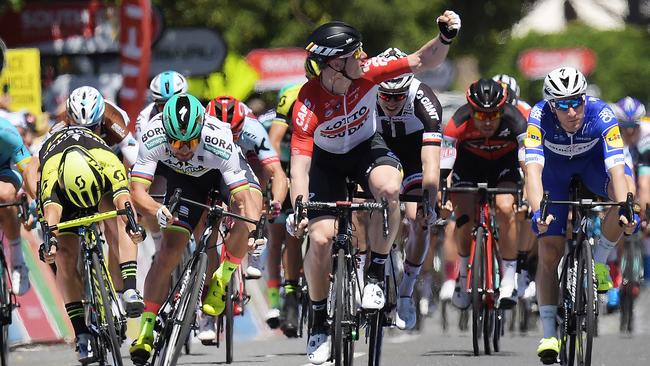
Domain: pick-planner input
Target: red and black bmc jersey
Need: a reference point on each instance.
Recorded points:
(508, 138)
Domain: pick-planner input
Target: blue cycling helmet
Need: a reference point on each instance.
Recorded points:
(629, 112)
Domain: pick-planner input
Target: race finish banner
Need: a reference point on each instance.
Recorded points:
(135, 54)
(21, 78)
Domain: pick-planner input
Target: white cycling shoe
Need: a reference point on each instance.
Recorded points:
(132, 303)
(447, 290)
(406, 316)
(373, 297)
(20, 279)
(531, 291)
(507, 299)
(207, 334)
(461, 298)
(318, 348)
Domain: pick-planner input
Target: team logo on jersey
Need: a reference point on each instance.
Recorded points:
(533, 136)
(613, 138)
(348, 125)
(606, 115)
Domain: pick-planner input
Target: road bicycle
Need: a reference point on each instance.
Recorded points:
(7, 298)
(632, 276)
(178, 312)
(484, 266)
(578, 308)
(104, 315)
(343, 316)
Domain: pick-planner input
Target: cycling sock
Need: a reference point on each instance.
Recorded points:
(75, 312)
(451, 270)
(411, 272)
(377, 264)
(547, 314)
(129, 274)
(464, 261)
(151, 307)
(273, 295)
(319, 309)
(147, 322)
(290, 286)
(509, 270)
(602, 249)
(16, 247)
(361, 259)
(157, 239)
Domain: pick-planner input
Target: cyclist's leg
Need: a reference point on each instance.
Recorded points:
(596, 179)
(451, 259)
(505, 214)
(10, 183)
(122, 262)
(274, 259)
(292, 262)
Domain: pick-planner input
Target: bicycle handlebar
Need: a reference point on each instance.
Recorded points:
(339, 206)
(483, 188)
(216, 211)
(23, 207)
(588, 203)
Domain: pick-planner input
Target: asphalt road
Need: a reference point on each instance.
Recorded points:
(429, 347)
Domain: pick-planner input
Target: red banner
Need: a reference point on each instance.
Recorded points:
(536, 63)
(135, 55)
(277, 67)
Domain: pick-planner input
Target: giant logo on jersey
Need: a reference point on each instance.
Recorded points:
(348, 125)
(613, 138)
(533, 136)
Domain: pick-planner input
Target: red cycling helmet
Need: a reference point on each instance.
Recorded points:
(230, 110)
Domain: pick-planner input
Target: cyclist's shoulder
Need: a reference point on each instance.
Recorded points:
(152, 134)
(287, 96)
(459, 119)
(598, 111)
(9, 132)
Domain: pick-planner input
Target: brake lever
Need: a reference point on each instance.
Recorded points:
(174, 201)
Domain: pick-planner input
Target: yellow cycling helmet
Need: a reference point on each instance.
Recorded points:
(80, 177)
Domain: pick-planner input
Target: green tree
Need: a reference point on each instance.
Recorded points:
(622, 60)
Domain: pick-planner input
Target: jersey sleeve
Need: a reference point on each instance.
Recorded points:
(429, 111)
(260, 141)
(378, 69)
(283, 110)
(535, 136)
(519, 127)
(12, 140)
(47, 185)
(115, 124)
(304, 124)
(611, 138)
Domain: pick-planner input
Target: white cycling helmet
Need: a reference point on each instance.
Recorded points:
(400, 84)
(85, 106)
(509, 81)
(564, 82)
(167, 84)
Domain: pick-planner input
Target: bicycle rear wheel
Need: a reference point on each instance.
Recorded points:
(106, 320)
(488, 325)
(585, 306)
(230, 319)
(477, 287)
(498, 328)
(182, 317)
(626, 308)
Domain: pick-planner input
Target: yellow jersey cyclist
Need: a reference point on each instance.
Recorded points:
(78, 170)
(87, 108)
(13, 152)
(200, 155)
(162, 87)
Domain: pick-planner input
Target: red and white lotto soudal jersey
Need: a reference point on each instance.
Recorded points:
(337, 123)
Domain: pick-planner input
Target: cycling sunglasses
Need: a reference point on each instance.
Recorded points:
(178, 144)
(486, 116)
(356, 54)
(388, 97)
(565, 104)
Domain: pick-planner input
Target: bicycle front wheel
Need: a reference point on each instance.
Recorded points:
(230, 318)
(477, 287)
(343, 343)
(5, 314)
(585, 306)
(182, 317)
(104, 308)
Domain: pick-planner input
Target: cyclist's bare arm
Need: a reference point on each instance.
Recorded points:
(30, 176)
(534, 188)
(300, 165)
(619, 183)
(431, 54)
(142, 200)
(430, 156)
(280, 185)
(276, 134)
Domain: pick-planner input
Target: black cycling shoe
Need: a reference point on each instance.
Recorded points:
(290, 315)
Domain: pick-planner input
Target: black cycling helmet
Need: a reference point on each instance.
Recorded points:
(332, 40)
(486, 95)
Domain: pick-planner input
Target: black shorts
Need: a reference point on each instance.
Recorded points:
(470, 169)
(409, 151)
(328, 172)
(195, 189)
